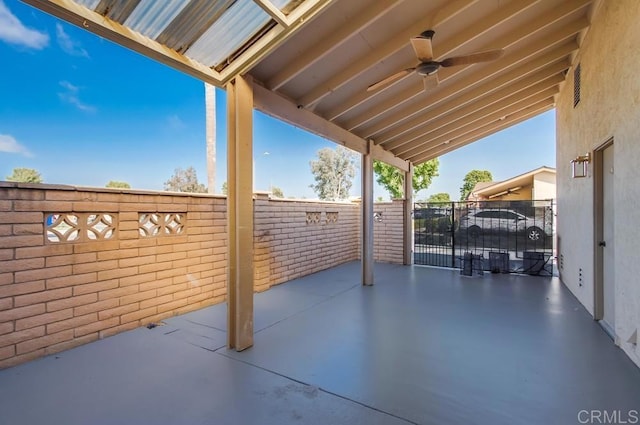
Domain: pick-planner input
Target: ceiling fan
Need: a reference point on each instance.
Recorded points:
(428, 68)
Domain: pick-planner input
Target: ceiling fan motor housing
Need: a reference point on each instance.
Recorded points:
(427, 68)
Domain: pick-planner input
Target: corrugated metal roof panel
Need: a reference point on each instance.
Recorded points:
(118, 10)
(209, 32)
(151, 17)
(234, 28)
(89, 4)
(192, 22)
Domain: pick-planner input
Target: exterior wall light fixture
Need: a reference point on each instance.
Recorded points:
(580, 166)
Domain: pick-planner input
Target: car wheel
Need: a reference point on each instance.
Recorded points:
(474, 232)
(534, 234)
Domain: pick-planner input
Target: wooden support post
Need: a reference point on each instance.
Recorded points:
(367, 218)
(407, 219)
(240, 213)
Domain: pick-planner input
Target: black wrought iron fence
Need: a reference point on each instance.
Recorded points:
(497, 236)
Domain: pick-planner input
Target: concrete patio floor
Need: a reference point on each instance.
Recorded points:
(423, 346)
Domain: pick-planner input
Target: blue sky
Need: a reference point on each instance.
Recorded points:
(83, 111)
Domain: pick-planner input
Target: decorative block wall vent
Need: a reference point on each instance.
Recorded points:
(332, 217)
(79, 227)
(161, 224)
(313, 217)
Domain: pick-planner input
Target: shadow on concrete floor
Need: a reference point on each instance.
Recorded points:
(422, 346)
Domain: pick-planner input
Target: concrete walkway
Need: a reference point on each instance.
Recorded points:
(423, 346)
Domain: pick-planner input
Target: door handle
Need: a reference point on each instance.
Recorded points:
(602, 243)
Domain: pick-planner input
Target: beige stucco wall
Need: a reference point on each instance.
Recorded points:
(609, 108)
(544, 186)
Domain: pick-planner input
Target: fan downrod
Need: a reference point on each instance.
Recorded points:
(427, 34)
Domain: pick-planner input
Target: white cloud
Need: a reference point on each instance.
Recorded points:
(12, 31)
(68, 45)
(9, 144)
(175, 122)
(71, 96)
(67, 85)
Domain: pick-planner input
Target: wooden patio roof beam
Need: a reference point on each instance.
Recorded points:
(418, 144)
(329, 44)
(401, 113)
(278, 106)
(487, 129)
(480, 97)
(362, 64)
(497, 111)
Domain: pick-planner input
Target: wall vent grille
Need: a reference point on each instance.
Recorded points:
(576, 85)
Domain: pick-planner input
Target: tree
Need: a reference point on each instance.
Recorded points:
(392, 179)
(184, 181)
(471, 179)
(277, 192)
(439, 197)
(333, 171)
(118, 184)
(210, 120)
(224, 188)
(25, 175)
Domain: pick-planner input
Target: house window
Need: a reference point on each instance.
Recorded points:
(576, 85)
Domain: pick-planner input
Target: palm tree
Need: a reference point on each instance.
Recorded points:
(210, 111)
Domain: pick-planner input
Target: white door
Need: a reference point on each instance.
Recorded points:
(607, 245)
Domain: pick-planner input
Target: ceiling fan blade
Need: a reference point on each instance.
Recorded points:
(423, 48)
(390, 79)
(430, 81)
(473, 58)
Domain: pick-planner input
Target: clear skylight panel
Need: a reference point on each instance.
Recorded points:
(151, 17)
(234, 28)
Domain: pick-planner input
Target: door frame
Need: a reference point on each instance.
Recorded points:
(598, 195)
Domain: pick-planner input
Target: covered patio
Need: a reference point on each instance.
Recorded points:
(371, 76)
(425, 346)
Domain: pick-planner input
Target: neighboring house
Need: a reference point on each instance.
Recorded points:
(538, 184)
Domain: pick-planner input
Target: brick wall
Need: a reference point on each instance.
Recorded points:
(296, 238)
(139, 257)
(388, 232)
(58, 294)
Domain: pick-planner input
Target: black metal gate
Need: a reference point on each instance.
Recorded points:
(497, 236)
